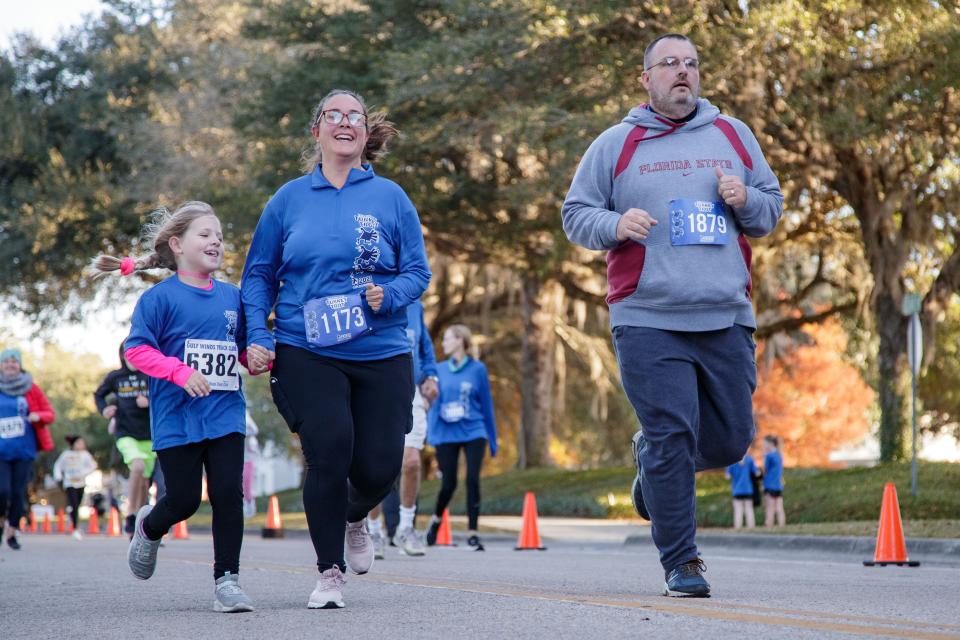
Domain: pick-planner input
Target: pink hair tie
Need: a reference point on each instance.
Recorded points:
(127, 266)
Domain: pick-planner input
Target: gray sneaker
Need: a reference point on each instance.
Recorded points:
(228, 597)
(142, 554)
(358, 547)
(379, 545)
(329, 591)
(409, 542)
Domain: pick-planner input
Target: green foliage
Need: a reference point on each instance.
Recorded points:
(810, 495)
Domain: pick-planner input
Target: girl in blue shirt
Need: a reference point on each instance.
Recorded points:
(741, 477)
(461, 418)
(187, 334)
(337, 256)
(773, 482)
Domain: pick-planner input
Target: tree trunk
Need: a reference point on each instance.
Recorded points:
(892, 327)
(541, 303)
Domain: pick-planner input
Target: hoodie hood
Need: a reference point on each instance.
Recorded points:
(643, 116)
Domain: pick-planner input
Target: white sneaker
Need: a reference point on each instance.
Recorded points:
(358, 547)
(379, 545)
(409, 542)
(77, 535)
(329, 591)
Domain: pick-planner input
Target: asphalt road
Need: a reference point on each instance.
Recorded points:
(57, 587)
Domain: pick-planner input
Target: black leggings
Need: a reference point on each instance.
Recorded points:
(448, 456)
(352, 417)
(183, 468)
(74, 498)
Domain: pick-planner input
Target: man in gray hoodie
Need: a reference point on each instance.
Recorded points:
(671, 193)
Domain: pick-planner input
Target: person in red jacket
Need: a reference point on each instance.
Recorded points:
(25, 414)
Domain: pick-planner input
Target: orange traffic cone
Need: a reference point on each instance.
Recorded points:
(33, 523)
(180, 531)
(444, 537)
(529, 534)
(61, 521)
(93, 525)
(46, 524)
(273, 526)
(891, 547)
(113, 524)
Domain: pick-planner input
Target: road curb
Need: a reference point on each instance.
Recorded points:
(933, 549)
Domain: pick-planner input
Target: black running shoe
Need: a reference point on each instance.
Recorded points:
(432, 530)
(474, 541)
(13, 543)
(688, 579)
(636, 491)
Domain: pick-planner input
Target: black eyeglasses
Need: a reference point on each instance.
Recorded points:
(673, 63)
(334, 116)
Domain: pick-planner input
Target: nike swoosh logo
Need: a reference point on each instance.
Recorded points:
(687, 173)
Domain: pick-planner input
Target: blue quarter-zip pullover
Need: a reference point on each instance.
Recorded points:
(424, 360)
(464, 409)
(314, 240)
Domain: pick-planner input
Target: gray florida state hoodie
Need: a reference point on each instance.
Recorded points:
(670, 280)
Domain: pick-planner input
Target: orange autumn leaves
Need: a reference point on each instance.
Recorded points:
(812, 398)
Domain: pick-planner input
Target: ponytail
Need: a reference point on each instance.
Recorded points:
(163, 226)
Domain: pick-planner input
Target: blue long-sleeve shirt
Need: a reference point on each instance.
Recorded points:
(464, 409)
(314, 240)
(167, 317)
(741, 477)
(424, 360)
(773, 471)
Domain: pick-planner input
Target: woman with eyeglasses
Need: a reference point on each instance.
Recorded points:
(337, 256)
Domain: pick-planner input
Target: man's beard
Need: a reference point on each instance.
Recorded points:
(665, 103)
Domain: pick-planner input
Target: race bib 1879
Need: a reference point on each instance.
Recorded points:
(697, 222)
(216, 360)
(12, 427)
(334, 319)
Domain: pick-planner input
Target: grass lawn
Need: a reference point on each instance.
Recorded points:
(817, 501)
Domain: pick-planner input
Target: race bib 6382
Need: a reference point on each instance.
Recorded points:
(216, 360)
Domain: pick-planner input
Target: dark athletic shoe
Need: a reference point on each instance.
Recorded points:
(474, 541)
(636, 492)
(433, 527)
(688, 579)
(13, 543)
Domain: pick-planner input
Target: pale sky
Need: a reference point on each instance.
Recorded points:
(44, 18)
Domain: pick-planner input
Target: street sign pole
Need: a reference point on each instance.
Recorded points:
(914, 356)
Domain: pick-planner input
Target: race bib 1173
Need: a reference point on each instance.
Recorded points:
(216, 360)
(334, 319)
(698, 222)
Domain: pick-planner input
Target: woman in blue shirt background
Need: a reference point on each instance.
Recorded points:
(741, 477)
(461, 418)
(773, 482)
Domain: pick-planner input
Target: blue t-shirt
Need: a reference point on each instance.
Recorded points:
(314, 240)
(424, 360)
(741, 477)
(17, 439)
(166, 316)
(773, 471)
(464, 409)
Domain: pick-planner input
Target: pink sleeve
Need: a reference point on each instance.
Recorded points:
(156, 365)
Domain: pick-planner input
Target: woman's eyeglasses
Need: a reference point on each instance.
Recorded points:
(334, 116)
